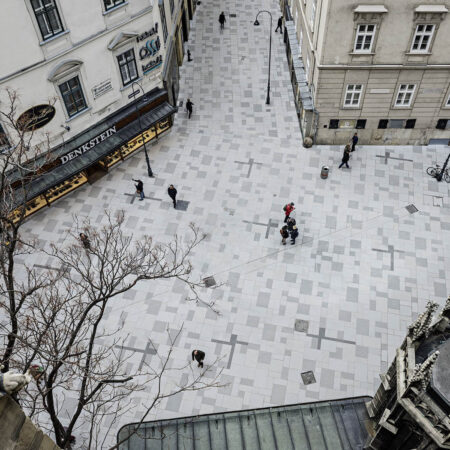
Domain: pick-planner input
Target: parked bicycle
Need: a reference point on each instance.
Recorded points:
(434, 171)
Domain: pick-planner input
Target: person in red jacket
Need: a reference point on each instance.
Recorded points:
(287, 210)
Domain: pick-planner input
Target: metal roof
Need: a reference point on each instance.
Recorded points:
(333, 425)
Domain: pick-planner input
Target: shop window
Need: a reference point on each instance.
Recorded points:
(405, 94)
(353, 95)
(365, 35)
(422, 38)
(127, 66)
(110, 4)
(443, 124)
(334, 123)
(47, 17)
(410, 123)
(72, 94)
(361, 124)
(4, 142)
(162, 13)
(382, 124)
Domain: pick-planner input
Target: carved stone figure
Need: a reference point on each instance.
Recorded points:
(421, 326)
(11, 383)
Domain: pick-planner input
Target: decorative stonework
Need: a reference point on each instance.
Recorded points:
(422, 324)
(422, 372)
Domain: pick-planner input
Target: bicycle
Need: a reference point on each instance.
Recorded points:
(434, 171)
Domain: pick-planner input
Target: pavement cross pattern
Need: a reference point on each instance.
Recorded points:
(354, 299)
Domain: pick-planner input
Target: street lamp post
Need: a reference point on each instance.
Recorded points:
(441, 174)
(149, 169)
(270, 50)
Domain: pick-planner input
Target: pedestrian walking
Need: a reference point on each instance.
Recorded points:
(294, 234)
(284, 234)
(354, 141)
(85, 241)
(290, 223)
(287, 210)
(345, 157)
(172, 194)
(199, 356)
(189, 55)
(280, 25)
(189, 106)
(222, 20)
(139, 188)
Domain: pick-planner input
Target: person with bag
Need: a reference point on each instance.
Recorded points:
(284, 234)
(346, 157)
(287, 210)
(139, 188)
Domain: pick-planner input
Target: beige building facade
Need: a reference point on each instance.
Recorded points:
(381, 69)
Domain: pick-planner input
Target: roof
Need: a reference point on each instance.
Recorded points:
(333, 425)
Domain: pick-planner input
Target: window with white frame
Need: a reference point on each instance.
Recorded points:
(109, 4)
(422, 38)
(47, 17)
(405, 94)
(72, 94)
(313, 14)
(127, 66)
(365, 35)
(353, 95)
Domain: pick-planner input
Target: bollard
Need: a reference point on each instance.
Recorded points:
(324, 172)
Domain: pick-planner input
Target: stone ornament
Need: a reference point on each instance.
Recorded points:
(11, 383)
(422, 372)
(421, 326)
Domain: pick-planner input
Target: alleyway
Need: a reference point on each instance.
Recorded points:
(339, 301)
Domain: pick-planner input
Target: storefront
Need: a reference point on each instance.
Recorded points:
(93, 152)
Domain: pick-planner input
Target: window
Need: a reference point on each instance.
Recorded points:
(172, 7)
(301, 45)
(127, 66)
(361, 124)
(72, 94)
(109, 4)
(313, 14)
(443, 124)
(396, 123)
(382, 124)
(47, 17)
(162, 13)
(364, 38)
(353, 95)
(405, 95)
(4, 142)
(307, 67)
(334, 124)
(422, 38)
(410, 123)
(448, 102)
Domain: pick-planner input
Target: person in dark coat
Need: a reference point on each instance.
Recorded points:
(85, 241)
(139, 188)
(290, 223)
(199, 356)
(284, 234)
(189, 106)
(280, 25)
(346, 157)
(354, 141)
(172, 194)
(294, 234)
(222, 20)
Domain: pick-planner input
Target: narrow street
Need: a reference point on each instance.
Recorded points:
(339, 301)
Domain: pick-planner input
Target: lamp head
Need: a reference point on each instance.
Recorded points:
(256, 23)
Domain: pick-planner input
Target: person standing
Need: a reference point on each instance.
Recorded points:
(189, 106)
(284, 234)
(287, 210)
(85, 241)
(280, 25)
(294, 234)
(172, 194)
(290, 223)
(346, 156)
(199, 356)
(222, 20)
(354, 141)
(139, 188)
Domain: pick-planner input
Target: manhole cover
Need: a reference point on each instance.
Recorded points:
(209, 281)
(301, 325)
(411, 209)
(308, 377)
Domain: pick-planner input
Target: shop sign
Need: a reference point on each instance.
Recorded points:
(151, 48)
(148, 33)
(88, 145)
(101, 88)
(152, 65)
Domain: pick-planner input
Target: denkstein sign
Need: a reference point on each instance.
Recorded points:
(87, 146)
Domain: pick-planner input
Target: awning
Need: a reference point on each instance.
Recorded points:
(65, 171)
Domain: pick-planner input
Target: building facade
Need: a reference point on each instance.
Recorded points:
(90, 76)
(381, 69)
